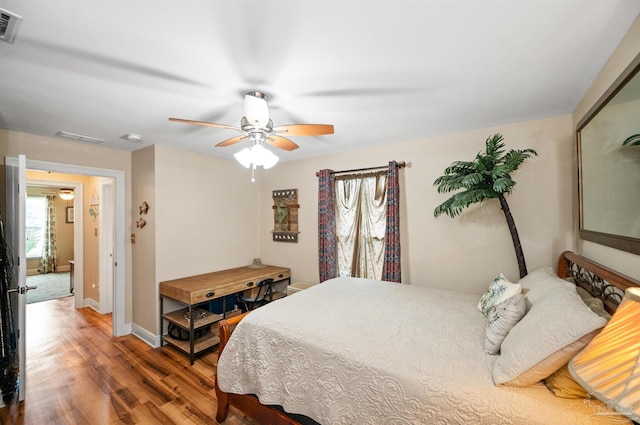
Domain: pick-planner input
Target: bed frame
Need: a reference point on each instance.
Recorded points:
(602, 282)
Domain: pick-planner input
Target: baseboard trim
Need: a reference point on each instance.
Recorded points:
(145, 335)
(59, 269)
(90, 302)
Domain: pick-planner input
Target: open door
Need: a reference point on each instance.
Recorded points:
(106, 218)
(16, 175)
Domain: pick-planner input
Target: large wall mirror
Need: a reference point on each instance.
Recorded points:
(609, 165)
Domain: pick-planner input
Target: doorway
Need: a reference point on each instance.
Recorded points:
(112, 183)
(94, 239)
(52, 279)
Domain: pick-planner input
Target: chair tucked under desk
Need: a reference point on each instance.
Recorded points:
(195, 291)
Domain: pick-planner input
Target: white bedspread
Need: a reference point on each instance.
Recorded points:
(355, 351)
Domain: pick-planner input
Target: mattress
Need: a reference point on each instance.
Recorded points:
(356, 351)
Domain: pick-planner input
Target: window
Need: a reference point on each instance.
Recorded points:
(361, 211)
(36, 215)
(336, 200)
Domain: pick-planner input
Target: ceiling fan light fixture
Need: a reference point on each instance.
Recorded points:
(244, 157)
(257, 155)
(255, 109)
(264, 157)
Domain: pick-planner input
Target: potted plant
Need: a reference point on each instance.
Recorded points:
(487, 176)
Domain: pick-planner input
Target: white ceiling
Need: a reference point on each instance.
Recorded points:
(380, 71)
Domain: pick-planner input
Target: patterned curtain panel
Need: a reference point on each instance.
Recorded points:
(326, 225)
(361, 221)
(49, 246)
(392, 233)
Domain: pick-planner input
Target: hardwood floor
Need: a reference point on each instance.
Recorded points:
(77, 373)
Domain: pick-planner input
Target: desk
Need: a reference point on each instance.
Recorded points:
(195, 290)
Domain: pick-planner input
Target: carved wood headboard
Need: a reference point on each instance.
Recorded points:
(601, 281)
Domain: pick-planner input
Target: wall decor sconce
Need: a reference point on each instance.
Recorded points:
(141, 223)
(144, 207)
(94, 205)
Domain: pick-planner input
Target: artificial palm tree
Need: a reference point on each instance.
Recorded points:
(486, 177)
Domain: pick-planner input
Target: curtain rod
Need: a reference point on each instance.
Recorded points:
(401, 164)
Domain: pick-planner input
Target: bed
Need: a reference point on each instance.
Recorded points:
(358, 351)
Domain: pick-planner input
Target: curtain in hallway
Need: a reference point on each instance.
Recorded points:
(49, 257)
(392, 233)
(326, 225)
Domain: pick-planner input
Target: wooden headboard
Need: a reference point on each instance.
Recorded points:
(601, 281)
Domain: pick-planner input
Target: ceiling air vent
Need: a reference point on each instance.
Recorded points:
(9, 24)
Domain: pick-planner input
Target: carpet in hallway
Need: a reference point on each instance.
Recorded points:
(50, 286)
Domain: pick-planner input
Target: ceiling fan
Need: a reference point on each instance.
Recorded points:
(258, 127)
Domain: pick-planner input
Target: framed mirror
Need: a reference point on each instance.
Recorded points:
(609, 165)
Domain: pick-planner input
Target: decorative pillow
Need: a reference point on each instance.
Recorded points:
(499, 290)
(556, 328)
(501, 319)
(561, 382)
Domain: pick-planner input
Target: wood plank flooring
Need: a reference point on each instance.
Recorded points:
(77, 373)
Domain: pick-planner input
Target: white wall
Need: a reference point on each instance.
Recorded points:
(464, 253)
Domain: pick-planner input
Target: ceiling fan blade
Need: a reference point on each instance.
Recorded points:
(231, 141)
(207, 124)
(281, 142)
(304, 129)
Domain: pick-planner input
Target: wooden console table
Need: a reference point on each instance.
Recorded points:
(195, 290)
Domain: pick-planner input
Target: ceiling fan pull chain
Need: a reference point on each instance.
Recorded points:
(253, 173)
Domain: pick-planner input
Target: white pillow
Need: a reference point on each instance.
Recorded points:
(537, 283)
(499, 290)
(557, 327)
(501, 319)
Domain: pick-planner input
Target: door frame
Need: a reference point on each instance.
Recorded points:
(119, 327)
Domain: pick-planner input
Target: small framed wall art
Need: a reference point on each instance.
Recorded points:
(285, 215)
(69, 216)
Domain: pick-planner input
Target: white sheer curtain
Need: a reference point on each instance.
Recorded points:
(361, 211)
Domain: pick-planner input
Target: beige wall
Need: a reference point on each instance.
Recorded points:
(144, 249)
(624, 54)
(208, 216)
(464, 253)
(61, 151)
(91, 245)
(203, 216)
